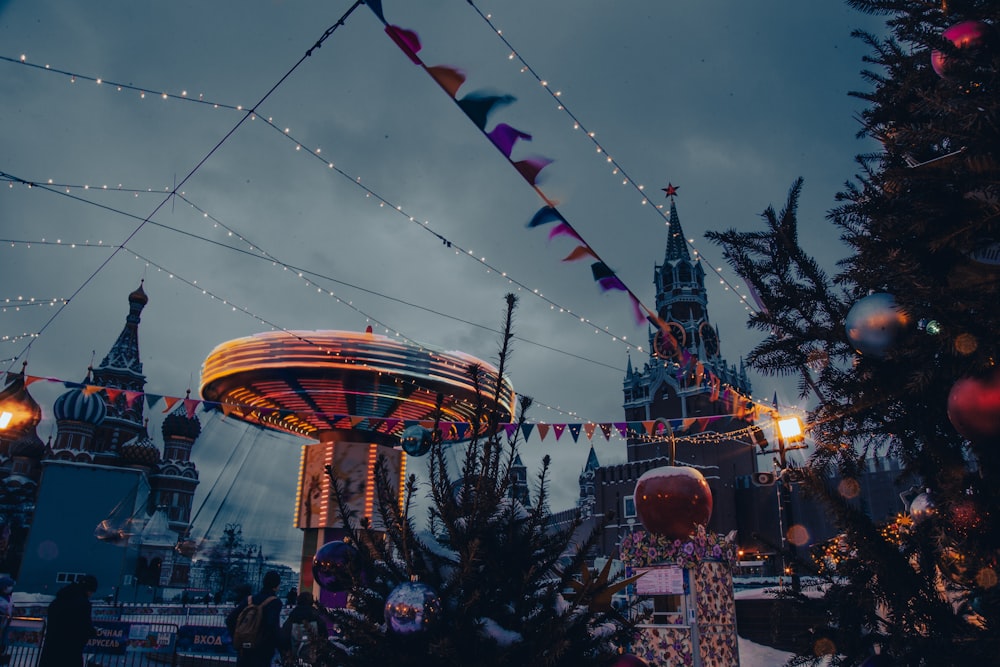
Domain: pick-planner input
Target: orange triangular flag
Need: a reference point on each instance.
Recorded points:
(543, 430)
(449, 78)
(171, 401)
(91, 389)
(589, 428)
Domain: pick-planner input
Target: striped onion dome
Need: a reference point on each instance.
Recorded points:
(140, 450)
(75, 405)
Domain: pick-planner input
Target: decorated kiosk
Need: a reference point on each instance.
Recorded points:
(687, 573)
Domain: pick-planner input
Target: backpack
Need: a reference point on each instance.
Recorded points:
(247, 630)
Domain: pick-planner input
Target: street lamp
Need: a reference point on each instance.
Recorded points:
(788, 430)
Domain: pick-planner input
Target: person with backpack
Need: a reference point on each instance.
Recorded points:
(255, 624)
(302, 630)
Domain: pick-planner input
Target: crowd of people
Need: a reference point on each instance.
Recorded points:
(255, 624)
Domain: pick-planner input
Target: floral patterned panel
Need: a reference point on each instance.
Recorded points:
(643, 549)
(710, 559)
(661, 646)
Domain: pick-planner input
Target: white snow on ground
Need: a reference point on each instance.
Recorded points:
(755, 655)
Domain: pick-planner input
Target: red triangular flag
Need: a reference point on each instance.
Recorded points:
(190, 405)
(543, 430)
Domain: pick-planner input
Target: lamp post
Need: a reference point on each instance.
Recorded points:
(787, 430)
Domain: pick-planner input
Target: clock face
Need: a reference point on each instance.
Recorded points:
(710, 339)
(668, 342)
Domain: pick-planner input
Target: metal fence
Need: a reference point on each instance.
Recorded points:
(130, 643)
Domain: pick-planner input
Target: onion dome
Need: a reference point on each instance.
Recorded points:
(178, 425)
(138, 296)
(29, 446)
(78, 406)
(140, 450)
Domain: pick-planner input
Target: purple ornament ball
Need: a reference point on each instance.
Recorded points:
(333, 566)
(411, 607)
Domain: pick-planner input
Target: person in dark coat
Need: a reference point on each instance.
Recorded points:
(69, 625)
(270, 629)
(302, 628)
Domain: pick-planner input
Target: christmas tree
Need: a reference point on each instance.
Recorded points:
(486, 580)
(898, 350)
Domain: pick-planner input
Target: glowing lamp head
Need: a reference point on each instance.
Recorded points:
(5, 418)
(790, 429)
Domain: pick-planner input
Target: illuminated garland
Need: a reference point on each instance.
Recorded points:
(450, 430)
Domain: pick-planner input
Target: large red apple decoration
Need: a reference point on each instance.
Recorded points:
(974, 407)
(672, 500)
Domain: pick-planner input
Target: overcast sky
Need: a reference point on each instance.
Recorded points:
(727, 99)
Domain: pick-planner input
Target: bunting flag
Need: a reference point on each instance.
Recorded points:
(606, 430)
(589, 429)
(579, 252)
(91, 389)
(131, 397)
(376, 6)
(558, 430)
(543, 430)
(511, 429)
(478, 106)
(170, 402)
(30, 380)
(450, 79)
(622, 429)
(407, 41)
(564, 229)
(504, 137)
(574, 430)
(530, 168)
(113, 394)
(606, 278)
(462, 428)
(526, 430)
(544, 216)
(152, 399)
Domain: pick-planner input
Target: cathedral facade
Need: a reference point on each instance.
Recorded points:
(101, 497)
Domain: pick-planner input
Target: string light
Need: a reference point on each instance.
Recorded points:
(627, 180)
(382, 202)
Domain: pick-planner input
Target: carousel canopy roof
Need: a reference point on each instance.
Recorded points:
(328, 383)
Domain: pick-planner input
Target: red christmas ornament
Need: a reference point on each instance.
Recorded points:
(964, 35)
(974, 407)
(672, 500)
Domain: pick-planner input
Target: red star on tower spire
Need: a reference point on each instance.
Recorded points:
(671, 190)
